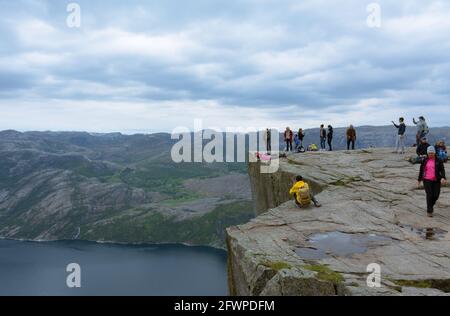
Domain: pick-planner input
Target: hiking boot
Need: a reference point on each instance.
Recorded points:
(430, 215)
(317, 204)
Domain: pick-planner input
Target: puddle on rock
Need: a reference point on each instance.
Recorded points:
(426, 233)
(339, 244)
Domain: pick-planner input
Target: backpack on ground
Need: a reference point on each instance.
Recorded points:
(304, 196)
(313, 147)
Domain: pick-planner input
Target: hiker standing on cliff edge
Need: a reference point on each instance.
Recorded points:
(422, 129)
(351, 137)
(268, 140)
(330, 137)
(401, 136)
(323, 137)
(432, 174)
(288, 138)
(301, 136)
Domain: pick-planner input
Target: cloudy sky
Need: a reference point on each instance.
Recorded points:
(146, 66)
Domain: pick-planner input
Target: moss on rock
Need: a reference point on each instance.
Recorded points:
(324, 273)
(277, 266)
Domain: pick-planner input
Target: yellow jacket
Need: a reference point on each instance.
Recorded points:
(299, 185)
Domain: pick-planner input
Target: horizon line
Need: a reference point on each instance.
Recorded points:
(137, 132)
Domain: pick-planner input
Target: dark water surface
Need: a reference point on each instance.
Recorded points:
(28, 268)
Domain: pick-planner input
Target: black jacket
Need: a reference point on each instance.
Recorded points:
(440, 170)
(301, 135)
(401, 128)
(422, 149)
(330, 133)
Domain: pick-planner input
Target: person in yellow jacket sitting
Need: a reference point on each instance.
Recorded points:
(302, 194)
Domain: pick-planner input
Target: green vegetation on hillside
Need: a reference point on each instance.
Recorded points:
(154, 227)
(167, 177)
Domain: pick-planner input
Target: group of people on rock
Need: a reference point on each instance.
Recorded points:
(422, 132)
(295, 141)
(422, 143)
(421, 151)
(431, 174)
(326, 136)
(431, 159)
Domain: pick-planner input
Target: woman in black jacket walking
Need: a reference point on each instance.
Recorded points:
(330, 137)
(432, 173)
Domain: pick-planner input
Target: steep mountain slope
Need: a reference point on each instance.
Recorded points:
(113, 187)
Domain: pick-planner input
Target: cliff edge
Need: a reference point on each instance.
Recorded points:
(372, 213)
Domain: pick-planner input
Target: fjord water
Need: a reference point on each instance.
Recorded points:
(28, 268)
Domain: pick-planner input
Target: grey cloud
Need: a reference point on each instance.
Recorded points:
(344, 62)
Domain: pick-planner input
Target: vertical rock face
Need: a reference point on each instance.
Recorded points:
(272, 189)
(372, 213)
(269, 190)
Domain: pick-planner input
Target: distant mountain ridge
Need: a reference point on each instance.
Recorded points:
(368, 136)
